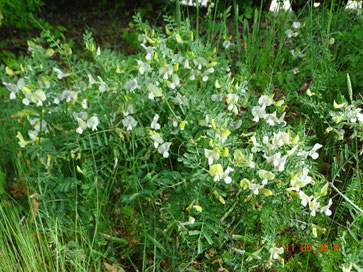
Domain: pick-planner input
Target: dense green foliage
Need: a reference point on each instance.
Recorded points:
(218, 143)
(18, 12)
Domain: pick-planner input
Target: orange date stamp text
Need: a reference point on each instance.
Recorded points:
(307, 247)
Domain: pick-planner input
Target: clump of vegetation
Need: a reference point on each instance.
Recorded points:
(189, 155)
(18, 13)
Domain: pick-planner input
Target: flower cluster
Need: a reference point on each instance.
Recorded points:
(290, 33)
(194, 3)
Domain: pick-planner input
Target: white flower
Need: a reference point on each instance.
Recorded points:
(194, 74)
(103, 86)
(313, 152)
(204, 122)
(265, 100)
(129, 122)
(130, 110)
(347, 268)
(280, 139)
(177, 58)
(37, 97)
(58, 98)
(289, 33)
(238, 124)
(255, 188)
(193, 3)
(203, 3)
(275, 252)
(200, 62)
(206, 73)
(81, 126)
(211, 155)
(281, 119)
(91, 80)
(186, 64)
(226, 44)
(166, 52)
(166, 71)
(266, 140)
(360, 117)
(157, 140)
(59, 73)
(154, 123)
(14, 89)
(25, 101)
(353, 114)
(174, 122)
(142, 38)
(93, 123)
(258, 112)
(292, 150)
(326, 210)
(295, 70)
(296, 25)
(81, 115)
(232, 100)
(33, 134)
(35, 123)
(216, 171)
(155, 91)
(190, 221)
(265, 176)
(21, 142)
(277, 161)
(68, 95)
(143, 67)
(255, 144)
(20, 83)
(271, 118)
(250, 163)
(309, 93)
(175, 82)
(164, 148)
(225, 176)
(300, 181)
(314, 206)
(12, 95)
(84, 103)
(149, 51)
(305, 199)
(131, 85)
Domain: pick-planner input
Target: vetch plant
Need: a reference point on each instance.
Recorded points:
(174, 145)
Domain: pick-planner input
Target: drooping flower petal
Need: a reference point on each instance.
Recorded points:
(164, 148)
(93, 122)
(129, 122)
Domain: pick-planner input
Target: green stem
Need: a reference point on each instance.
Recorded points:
(197, 20)
(167, 103)
(178, 13)
(330, 17)
(346, 198)
(237, 29)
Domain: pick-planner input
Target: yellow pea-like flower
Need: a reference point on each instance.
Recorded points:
(216, 169)
(225, 152)
(9, 71)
